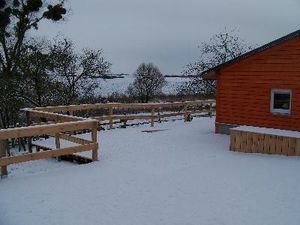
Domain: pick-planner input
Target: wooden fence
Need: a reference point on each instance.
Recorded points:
(60, 123)
(62, 127)
(154, 111)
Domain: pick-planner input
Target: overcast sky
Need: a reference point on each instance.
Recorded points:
(167, 32)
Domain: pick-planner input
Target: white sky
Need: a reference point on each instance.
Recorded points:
(167, 32)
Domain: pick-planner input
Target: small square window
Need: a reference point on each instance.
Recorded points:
(281, 101)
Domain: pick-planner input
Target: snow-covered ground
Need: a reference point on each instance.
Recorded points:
(120, 85)
(183, 174)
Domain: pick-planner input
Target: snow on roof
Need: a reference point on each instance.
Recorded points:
(271, 131)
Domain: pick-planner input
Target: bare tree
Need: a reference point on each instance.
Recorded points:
(76, 74)
(221, 48)
(148, 83)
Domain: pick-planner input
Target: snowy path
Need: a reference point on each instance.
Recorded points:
(182, 175)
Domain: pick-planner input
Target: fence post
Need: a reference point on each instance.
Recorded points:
(95, 140)
(152, 116)
(3, 149)
(185, 112)
(28, 121)
(210, 113)
(110, 117)
(57, 144)
(57, 141)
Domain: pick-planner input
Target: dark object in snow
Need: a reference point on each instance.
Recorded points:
(124, 121)
(189, 117)
(76, 159)
(153, 131)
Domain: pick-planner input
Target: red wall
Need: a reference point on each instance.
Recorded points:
(244, 88)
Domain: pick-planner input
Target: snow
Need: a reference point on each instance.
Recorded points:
(271, 131)
(181, 175)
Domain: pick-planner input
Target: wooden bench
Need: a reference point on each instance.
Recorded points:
(250, 139)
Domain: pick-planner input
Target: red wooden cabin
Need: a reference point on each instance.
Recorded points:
(260, 88)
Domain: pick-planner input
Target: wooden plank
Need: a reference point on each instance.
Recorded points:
(297, 147)
(121, 106)
(278, 145)
(292, 147)
(254, 142)
(152, 116)
(3, 149)
(232, 145)
(48, 154)
(266, 148)
(285, 146)
(185, 112)
(46, 129)
(238, 141)
(244, 141)
(110, 117)
(28, 122)
(244, 136)
(260, 143)
(249, 142)
(95, 149)
(57, 141)
(53, 116)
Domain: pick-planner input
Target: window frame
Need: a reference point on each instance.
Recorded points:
(280, 111)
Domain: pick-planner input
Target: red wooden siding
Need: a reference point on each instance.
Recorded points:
(244, 88)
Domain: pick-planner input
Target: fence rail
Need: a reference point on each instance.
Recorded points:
(53, 121)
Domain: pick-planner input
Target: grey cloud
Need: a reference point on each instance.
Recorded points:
(167, 32)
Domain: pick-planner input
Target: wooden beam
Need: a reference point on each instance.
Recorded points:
(53, 116)
(48, 154)
(28, 121)
(3, 149)
(119, 106)
(95, 149)
(110, 117)
(46, 129)
(152, 116)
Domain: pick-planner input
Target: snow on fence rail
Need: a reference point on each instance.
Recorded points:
(51, 122)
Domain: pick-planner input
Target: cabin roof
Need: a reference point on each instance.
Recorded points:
(211, 74)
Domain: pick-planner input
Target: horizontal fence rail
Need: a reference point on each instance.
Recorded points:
(62, 122)
(70, 108)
